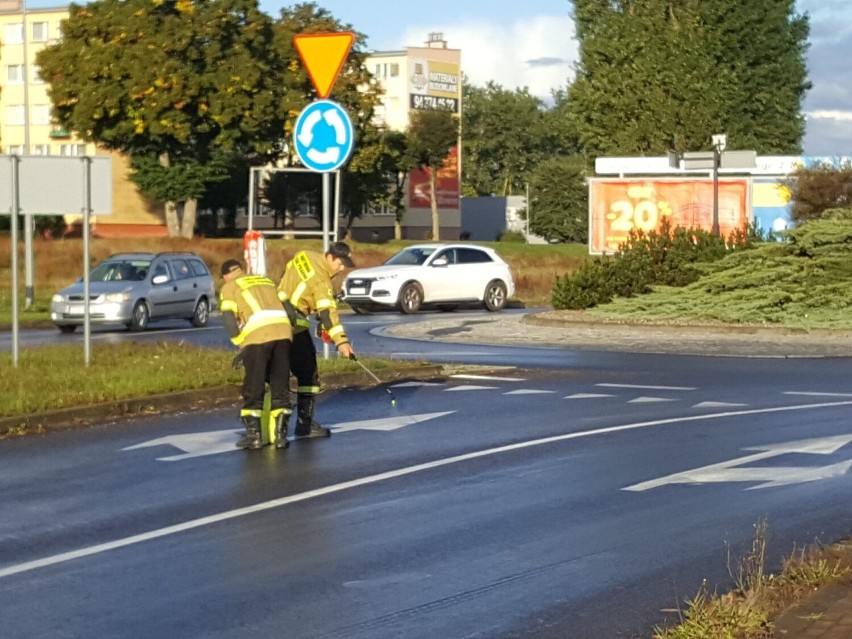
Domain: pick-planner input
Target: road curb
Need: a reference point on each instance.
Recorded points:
(196, 399)
(578, 319)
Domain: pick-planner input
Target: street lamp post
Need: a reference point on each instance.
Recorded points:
(29, 226)
(719, 143)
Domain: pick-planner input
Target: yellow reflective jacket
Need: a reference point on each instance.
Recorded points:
(254, 302)
(306, 287)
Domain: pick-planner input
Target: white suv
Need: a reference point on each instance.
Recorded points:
(443, 275)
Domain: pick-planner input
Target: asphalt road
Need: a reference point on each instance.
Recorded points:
(577, 499)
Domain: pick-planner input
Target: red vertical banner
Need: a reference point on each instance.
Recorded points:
(617, 207)
(419, 189)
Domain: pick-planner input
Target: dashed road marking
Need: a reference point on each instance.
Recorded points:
(650, 400)
(529, 391)
(642, 386)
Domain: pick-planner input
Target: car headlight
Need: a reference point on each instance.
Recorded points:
(116, 298)
(57, 298)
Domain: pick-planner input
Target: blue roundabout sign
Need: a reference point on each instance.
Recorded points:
(323, 136)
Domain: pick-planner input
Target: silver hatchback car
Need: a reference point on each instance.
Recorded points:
(136, 288)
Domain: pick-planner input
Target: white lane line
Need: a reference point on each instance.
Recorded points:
(373, 479)
(715, 405)
(529, 391)
(818, 394)
(492, 378)
(586, 396)
(468, 388)
(674, 388)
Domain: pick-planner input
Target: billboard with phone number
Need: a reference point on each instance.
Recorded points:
(618, 206)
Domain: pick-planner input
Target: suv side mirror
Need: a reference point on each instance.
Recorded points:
(160, 279)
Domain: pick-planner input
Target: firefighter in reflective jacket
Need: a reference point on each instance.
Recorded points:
(305, 289)
(256, 323)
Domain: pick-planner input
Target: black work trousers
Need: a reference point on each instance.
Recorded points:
(303, 362)
(267, 362)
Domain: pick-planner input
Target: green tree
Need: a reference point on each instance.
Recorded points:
(559, 207)
(504, 136)
(660, 74)
(382, 167)
(177, 81)
(431, 135)
(817, 189)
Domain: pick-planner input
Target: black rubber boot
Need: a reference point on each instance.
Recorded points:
(306, 427)
(252, 439)
(280, 418)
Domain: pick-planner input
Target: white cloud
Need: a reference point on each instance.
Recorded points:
(537, 53)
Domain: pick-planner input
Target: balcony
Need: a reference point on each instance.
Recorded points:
(59, 133)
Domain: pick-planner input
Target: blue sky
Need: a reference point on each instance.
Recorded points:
(529, 43)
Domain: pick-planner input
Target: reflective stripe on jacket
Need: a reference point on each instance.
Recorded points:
(254, 302)
(306, 286)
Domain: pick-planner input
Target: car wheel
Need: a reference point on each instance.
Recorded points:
(201, 314)
(140, 317)
(410, 298)
(495, 295)
(67, 329)
(447, 308)
(359, 310)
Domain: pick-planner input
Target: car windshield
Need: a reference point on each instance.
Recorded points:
(411, 256)
(115, 270)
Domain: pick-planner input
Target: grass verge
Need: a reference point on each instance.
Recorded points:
(56, 377)
(747, 611)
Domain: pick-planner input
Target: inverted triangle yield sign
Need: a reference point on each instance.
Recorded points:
(323, 55)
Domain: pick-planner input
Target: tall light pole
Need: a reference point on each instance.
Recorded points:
(29, 289)
(529, 208)
(720, 141)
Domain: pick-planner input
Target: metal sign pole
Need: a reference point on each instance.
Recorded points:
(16, 206)
(87, 213)
(326, 205)
(251, 198)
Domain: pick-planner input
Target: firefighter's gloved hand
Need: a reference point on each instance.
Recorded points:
(345, 349)
(238, 363)
(340, 296)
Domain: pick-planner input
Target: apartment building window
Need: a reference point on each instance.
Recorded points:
(73, 150)
(15, 149)
(15, 73)
(41, 149)
(13, 33)
(394, 70)
(15, 115)
(41, 114)
(39, 31)
(37, 79)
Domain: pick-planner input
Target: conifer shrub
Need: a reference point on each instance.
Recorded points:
(667, 256)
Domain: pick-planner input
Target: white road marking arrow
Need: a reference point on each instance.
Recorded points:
(222, 441)
(195, 444)
(731, 471)
(649, 400)
(388, 423)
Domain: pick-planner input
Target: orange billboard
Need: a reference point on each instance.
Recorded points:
(618, 206)
(420, 190)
